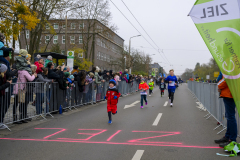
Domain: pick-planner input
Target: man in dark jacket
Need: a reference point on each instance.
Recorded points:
(3, 52)
(107, 76)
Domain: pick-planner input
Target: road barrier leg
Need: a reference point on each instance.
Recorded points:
(209, 117)
(218, 127)
(222, 130)
(206, 115)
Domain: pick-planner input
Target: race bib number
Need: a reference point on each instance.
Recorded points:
(172, 84)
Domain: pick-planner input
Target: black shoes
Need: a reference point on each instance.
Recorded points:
(222, 145)
(222, 140)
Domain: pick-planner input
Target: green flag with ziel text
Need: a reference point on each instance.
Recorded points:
(218, 22)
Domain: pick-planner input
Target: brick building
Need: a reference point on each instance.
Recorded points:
(99, 43)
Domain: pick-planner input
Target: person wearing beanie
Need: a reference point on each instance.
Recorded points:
(37, 57)
(21, 62)
(49, 59)
(112, 97)
(3, 51)
(143, 87)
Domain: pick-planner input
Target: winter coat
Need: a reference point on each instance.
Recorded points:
(39, 87)
(110, 96)
(162, 86)
(23, 78)
(117, 79)
(23, 64)
(61, 81)
(79, 81)
(3, 85)
(46, 62)
(97, 78)
(74, 71)
(143, 86)
(225, 91)
(151, 85)
(3, 49)
(52, 74)
(39, 67)
(107, 77)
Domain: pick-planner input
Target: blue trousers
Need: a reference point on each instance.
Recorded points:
(143, 97)
(231, 119)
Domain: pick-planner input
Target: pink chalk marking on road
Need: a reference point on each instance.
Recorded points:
(62, 130)
(116, 143)
(113, 135)
(166, 135)
(93, 134)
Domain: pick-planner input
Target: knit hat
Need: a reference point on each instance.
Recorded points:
(67, 74)
(71, 77)
(38, 56)
(2, 37)
(49, 57)
(3, 68)
(65, 69)
(113, 82)
(120, 72)
(91, 74)
(23, 52)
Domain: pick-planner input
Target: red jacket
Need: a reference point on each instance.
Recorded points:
(143, 86)
(225, 91)
(110, 96)
(39, 67)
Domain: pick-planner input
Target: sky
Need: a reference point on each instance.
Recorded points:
(168, 25)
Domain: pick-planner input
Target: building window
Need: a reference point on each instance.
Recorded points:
(47, 39)
(81, 26)
(40, 41)
(47, 26)
(55, 39)
(108, 58)
(63, 39)
(80, 39)
(55, 26)
(63, 52)
(98, 42)
(27, 47)
(103, 44)
(64, 26)
(72, 39)
(27, 34)
(102, 56)
(73, 25)
(105, 58)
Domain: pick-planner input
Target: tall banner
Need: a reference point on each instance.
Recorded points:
(164, 75)
(160, 74)
(70, 59)
(218, 22)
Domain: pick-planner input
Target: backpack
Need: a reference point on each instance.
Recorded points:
(233, 148)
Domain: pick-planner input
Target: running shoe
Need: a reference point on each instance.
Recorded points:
(149, 95)
(171, 105)
(146, 103)
(141, 107)
(161, 95)
(109, 122)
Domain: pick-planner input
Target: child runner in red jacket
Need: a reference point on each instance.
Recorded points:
(112, 99)
(143, 87)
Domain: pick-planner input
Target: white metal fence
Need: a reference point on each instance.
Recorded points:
(208, 96)
(24, 101)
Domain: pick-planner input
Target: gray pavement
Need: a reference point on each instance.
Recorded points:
(182, 133)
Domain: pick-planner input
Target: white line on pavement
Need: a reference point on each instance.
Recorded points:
(155, 123)
(165, 104)
(138, 155)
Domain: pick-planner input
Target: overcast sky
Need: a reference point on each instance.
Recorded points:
(167, 23)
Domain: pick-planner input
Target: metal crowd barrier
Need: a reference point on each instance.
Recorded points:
(207, 94)
(22, 102)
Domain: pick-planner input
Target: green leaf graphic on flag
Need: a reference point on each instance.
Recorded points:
(218, 22)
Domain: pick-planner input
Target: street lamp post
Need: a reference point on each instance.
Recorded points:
(66, 27)
(130, 48)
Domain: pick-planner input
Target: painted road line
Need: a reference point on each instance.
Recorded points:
(165, 104)
(138, 155)
(155, 123)
(131, 105)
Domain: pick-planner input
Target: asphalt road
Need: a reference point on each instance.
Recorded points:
(152, 133)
